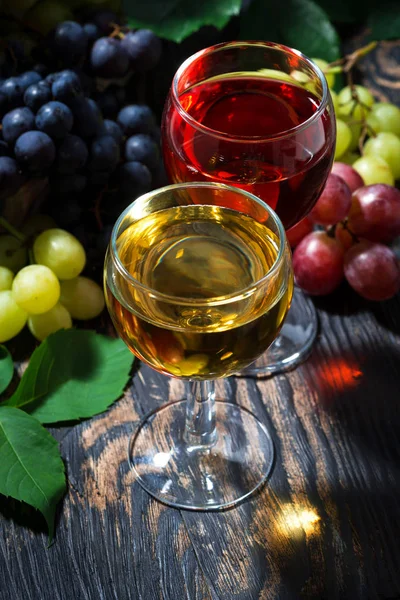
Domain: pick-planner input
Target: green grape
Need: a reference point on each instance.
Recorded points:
(322, 64)
(49, 322)
(385, 117)
(13, 255)
(82, 297)
(343, 138)
(358, 110)
(12, 316)
(386, 145)
(374, 170)
(6, 278)
(45, 15)
(275, 74)
(349, 158)
(335, 101)
(36, 289)
(355, 129)
(61, 252)
(36, 224)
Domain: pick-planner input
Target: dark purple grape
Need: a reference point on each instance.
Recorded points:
(105, 20)
(67, 87)
(41, 69)
(88, 120)
(35, 151)
(13, 91)
(104, 154)
(16, 122)
(29, 78)
(72, 154)
(143, 149)
(108, 58)
(136, 118)
(143, 48)
(92, 32)
(55, 119)
(50, 79)
(112, 128)
(36, 95)
(70, 42)
(133, 179)
(10, 177)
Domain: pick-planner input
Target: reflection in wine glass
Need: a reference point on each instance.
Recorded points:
(258, 116)
(198, 281)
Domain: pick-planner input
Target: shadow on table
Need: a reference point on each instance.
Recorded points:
(360, 391)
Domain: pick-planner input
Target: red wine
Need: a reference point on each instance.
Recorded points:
(255, 133)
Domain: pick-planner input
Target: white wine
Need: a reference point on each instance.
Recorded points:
(192, 308)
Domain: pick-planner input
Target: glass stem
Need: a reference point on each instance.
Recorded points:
(200, 427)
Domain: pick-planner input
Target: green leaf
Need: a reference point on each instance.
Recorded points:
(73, 374)
(177, 19)
(31, 468)
(384, 21)
(6, 368)
(343, 11)
(301, 24)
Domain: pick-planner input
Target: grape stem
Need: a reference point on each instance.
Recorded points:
(331, 230)
(11, 229)
(347, 62)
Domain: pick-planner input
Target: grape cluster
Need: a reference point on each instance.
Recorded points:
(356, 223)
(367, 132)
(346, 235)
(62, 120)
(48, 294)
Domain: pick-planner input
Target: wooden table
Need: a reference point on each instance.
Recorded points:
(325, 526)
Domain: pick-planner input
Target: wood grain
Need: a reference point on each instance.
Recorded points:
(325, 526)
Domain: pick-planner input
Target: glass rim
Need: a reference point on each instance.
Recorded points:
(246, 139)
(217, 300)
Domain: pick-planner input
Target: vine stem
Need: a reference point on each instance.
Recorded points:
(12, 230)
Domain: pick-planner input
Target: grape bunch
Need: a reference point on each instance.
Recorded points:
(356, 223)
(367, 132)
(63, 119)
(348, 233)
(47, 294)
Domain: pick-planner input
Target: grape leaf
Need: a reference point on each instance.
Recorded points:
(73, 374)
(31, 468)
(343, 11)
(384, 21)
(301, 24)
(6, 368)
(177, 19)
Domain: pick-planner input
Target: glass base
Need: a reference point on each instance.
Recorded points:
(201, 477)
(294, 342)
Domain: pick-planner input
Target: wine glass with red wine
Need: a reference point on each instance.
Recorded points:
(259, 116)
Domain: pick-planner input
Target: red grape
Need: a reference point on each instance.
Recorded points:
(318, 263)
(343, 236)
(296, 233)
(348, 174)
(372, 270)
(375, 212)
(334, 203)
